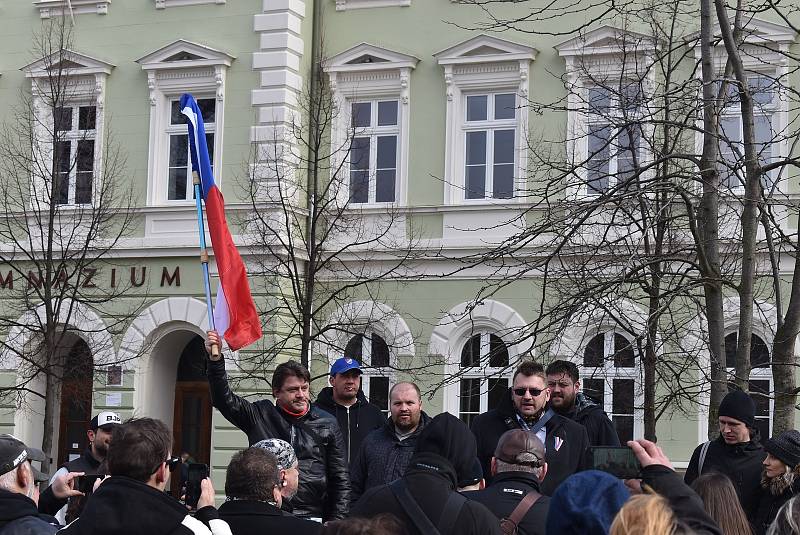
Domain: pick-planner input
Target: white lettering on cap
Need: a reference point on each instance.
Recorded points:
(21, 457)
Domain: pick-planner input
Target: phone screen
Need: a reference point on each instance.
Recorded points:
(85, 483)
(617, 461)
(197, 473)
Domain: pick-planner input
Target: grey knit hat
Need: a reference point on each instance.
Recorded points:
(280, 449)
(786, 447)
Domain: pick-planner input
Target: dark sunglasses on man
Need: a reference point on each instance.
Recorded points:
(173, 463)
(535, 392)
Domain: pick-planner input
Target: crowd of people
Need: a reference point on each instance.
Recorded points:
(337, 466)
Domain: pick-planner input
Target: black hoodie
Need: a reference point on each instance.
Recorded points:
(355, 422)
(123, 506)
(445, 453)
(19, 516)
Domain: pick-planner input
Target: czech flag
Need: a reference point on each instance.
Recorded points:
(235, 313)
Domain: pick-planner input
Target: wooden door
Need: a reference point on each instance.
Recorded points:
(192, 425)
(76, 403)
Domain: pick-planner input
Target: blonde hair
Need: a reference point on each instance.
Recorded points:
(645, 514)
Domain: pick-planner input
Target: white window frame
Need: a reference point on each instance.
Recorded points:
(73, 137)
(489, 126)
(608, 372)
(368, 370)
(367, 72)
(87, 79)
(612, 120)
(373, 132)
(774, 111)
(484, 372)
(765, 51)
(181, 129)
(344, 5)
(589, 58)
(483, 64)
(58, 8)
(757, 374)
(202, 73)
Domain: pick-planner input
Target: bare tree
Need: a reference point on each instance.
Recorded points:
(325, 259)
(670, 227)
(66, 203)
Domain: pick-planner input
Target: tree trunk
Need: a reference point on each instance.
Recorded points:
(708, 221)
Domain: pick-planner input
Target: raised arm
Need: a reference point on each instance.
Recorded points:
(235, 409)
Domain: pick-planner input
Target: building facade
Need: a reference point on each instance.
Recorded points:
(435, 107)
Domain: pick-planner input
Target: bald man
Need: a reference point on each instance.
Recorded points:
(386, 452)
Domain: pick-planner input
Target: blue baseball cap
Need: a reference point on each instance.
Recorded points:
(343, 365)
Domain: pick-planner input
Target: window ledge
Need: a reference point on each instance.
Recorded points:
(344, 5)
(55, 8)
(163, 4)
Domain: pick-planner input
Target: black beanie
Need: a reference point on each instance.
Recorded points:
(739, 406)
(785, 447)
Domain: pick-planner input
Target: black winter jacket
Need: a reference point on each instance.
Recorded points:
(19, 516)
(740, 462)
(769, 505)
(591, 416)
(259, 518)
(505, 493)
(570, 457)
(382, 457)
(430, 480)
(685, 503)
(324, 489)
(124, 506)
(355, 422)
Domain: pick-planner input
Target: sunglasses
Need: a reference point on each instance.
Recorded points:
(173, 463)
(535, 392)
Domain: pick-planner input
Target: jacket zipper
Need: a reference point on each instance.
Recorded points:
(348, 435)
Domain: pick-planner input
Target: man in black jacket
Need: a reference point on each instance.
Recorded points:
(132, 500)
(345, 400)
(99, 437)
(22, 511)
(324, 490)
(425, 498)
(525, 407)
(518, 468)
(735, 453)
(386, 452)
(253, 488)
(567, 400)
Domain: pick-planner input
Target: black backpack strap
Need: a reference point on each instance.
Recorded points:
(412, 509)
(452, 508)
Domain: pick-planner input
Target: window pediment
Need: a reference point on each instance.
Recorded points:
(70, 62)
(485, 49)
(184, 54)
(367, 57)
(56, 8)
(606, 40)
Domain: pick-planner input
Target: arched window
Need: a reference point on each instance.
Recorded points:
(760, 378)
(609, 376)
(372, 352)
(485, 375)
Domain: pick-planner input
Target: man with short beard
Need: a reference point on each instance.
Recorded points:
(99, 436)
(386, 452)
(525, 407)
(566, 399)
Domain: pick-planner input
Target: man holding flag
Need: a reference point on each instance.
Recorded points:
(324, 490)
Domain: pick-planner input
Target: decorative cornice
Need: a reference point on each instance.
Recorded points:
(56, 8)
